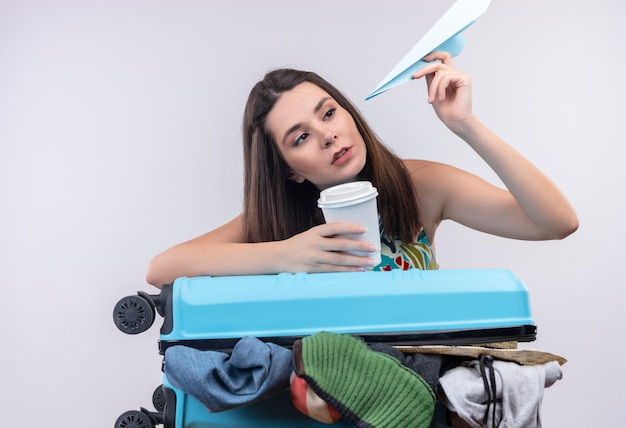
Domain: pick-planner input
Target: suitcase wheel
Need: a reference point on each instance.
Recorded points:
(158, 399)
(133, 315)
(134, 419)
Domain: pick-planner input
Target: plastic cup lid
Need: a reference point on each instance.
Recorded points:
(347, 194)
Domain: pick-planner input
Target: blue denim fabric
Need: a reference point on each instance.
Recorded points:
(255, 370)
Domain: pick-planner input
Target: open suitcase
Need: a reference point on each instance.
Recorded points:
(414, 307)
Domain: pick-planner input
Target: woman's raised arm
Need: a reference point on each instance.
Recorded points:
(532, 207)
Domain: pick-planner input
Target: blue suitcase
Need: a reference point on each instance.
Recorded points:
(411, 307)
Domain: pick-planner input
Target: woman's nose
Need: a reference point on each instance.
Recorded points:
(329, 138)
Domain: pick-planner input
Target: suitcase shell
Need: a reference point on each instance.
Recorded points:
(183, 410)
(398, 307)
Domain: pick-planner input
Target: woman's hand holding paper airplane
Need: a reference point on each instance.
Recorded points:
(449, 90)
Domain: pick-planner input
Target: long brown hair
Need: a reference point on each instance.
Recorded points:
(276, 207)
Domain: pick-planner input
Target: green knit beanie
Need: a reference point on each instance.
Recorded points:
(369, 388)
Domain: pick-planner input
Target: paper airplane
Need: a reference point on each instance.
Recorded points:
(445, 35)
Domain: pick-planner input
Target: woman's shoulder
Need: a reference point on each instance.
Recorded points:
(434, 181)
(415, 164)
(422, 170)
(429, 178)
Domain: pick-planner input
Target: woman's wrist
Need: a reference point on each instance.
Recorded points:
(465, 128)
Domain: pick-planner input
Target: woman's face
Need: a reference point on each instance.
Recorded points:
(316, 137)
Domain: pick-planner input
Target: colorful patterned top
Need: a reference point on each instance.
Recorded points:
(396, 255)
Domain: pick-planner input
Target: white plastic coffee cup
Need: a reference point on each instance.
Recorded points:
(354, 202)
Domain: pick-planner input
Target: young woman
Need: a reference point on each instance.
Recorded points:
(301, 135)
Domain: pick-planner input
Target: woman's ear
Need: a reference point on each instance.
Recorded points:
(295, 177)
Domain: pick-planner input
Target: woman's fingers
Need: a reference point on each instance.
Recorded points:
(436, 60)
(342, 261)
(441, 83)
(442, 56)
(449, 90)
(339, 228)
(440, 77)
(344, 237)
(331, 247)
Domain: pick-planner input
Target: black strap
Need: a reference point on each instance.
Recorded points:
(485, 364)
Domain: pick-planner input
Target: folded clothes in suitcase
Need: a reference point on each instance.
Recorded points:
(414, 307)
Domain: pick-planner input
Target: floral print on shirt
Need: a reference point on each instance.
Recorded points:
(396, 255)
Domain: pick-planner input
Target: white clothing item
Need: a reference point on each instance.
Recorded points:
(519, 393)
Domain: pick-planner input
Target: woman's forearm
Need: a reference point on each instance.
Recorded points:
(219, 259)
(221, 252)
(540, 199)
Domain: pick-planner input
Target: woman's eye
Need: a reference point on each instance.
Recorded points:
(300, 139)
(329, 113)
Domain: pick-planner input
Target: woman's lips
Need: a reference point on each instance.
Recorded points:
(342, 155)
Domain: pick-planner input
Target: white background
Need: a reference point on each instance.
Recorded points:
(120, 136)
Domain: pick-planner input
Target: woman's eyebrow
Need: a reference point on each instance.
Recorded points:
(295, 127)
(320, 104)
